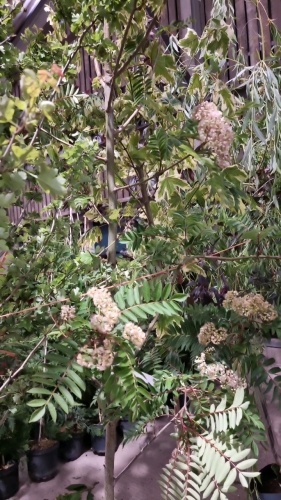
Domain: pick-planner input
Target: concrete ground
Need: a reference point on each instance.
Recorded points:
(138, 482)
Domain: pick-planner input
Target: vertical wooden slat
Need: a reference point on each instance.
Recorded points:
(253, 32)
(88, 83)
(81, 76)
(172, 11)
(195, 10)
(275, 12)
(208, 8)
(263, 13)
(241, 28)
(165, 16)
(232, 51)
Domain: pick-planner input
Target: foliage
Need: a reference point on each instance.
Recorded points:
(193, 230)
(13, 434)
(209, 458)
(77, 492)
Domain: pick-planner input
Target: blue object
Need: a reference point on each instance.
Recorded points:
(121, 247)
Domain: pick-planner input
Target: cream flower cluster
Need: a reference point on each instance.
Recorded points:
(214, 131)
(134, 333)
(102, 355)
(252, 306)
(220, 372)
(67, 313)
(109, 313)
(99, 357)
(209, 334)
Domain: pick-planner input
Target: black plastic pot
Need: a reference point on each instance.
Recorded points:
(43, 463)
(269, 487)
(9, 481)
(98, 442)
(127, 426)
(72, 448)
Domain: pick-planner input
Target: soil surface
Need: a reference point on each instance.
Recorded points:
(43, 444)
(269, 486)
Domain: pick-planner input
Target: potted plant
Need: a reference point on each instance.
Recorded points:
(13, 437)
(268, 486)
(127, 426)
(71, 436)
(98, 433)
(42, 456)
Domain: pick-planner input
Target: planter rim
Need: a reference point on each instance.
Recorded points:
(74, 435)
(275, 343)
(44, 451)
(13, 467)
(268, 496)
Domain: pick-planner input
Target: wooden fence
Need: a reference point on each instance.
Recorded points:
(253, 35)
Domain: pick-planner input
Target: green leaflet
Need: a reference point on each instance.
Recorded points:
(36, 402)
(53, 411)
(37, 415)
(61, 402)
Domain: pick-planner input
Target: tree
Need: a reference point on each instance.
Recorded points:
(141, 121)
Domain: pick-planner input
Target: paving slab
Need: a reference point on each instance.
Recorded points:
(89, 469)
(137, 473)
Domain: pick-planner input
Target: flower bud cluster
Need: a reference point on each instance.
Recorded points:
(134, 334)
(209, 334)
(67, 313)
(215, 132)
(252, 306)
(99, 357)
(102, 355)
(109, 313)
(220, 372)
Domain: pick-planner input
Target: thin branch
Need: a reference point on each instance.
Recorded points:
(101, 215)
(234, 259)
(98, 71)
(13, 375)
(156, 173)
(120, 129)
(3, 19)
(145, 197)
(11, 141)
(66, 66)
(129, 187)
(131, 191)
(138, 48)
(166, 271)
(9, 38)
(230, 248)
(124, 39)
(150, 329)
(56, 138)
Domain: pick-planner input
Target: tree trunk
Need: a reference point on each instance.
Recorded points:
(110, 174)
(110, 440)
(110, 446)
(112, 198)
(145, 197)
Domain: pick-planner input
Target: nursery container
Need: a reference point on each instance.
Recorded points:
(269, 488)
(127, 426)
(72, 448)
(98, 439)
(43, 461)
(9, 481)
